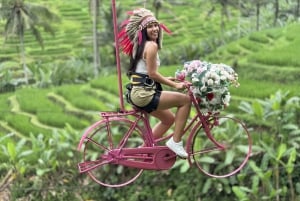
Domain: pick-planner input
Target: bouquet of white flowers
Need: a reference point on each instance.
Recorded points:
(210, 83)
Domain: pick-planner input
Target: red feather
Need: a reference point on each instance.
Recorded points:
(165, 29)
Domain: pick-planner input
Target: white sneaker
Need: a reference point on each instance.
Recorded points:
(177, 147)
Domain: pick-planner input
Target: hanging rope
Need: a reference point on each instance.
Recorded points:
(120, 85)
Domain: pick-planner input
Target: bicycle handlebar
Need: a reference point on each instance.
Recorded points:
(187, 83)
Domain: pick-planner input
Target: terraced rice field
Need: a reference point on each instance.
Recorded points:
(265, 61)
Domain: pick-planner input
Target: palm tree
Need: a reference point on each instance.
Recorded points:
(20, 17)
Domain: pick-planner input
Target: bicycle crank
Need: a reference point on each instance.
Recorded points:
(150, 158)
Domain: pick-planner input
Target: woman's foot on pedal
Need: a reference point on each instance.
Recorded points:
(177, 147)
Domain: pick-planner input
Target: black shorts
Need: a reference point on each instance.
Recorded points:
(150, 107)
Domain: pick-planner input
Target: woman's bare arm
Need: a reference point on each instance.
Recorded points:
(151, 50)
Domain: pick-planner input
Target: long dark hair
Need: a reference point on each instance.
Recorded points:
(140, 50)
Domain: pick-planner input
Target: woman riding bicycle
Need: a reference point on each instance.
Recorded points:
(141, 38)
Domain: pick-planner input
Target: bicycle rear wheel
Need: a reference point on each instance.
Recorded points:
(105, 136)
(227, 158)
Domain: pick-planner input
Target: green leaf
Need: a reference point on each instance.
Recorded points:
(184, 167)
(229, 157)
(41, 172)
(207, 159)
(298, 187)
(290, 165)
(207, 186)
(11, 151)
(263, 175)
(267, 175)
(243, 148)
(255, 184)
(290, 126)
(240, 193)
(8, 136)
(281, 150)
(258, 109)
(246, 107)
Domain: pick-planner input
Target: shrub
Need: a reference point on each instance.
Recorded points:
(59, 120)
(74, 95)
(283, 56)
(22, 124)
(248, 45)
(32, 100)
(259, 37)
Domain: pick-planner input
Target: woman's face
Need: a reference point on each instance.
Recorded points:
(152, 31)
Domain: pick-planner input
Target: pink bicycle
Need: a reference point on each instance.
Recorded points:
(118, 148)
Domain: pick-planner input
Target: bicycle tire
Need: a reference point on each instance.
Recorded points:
(104, 136)
(221, 162)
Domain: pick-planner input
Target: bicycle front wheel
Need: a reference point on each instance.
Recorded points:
(226, 157)
(105, 136)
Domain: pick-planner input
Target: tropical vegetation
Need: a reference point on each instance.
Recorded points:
(69, 82)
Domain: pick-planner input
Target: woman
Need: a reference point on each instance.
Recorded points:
(141, 39)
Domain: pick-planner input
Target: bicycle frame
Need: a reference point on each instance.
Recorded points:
(150, 142)
(152, 156)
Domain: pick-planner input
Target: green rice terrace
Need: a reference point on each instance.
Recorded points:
(42, 123)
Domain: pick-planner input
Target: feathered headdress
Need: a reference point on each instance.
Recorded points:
(130, 35)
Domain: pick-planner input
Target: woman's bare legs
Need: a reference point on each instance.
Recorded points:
(168, 100)
(166, 118)
(182, 101)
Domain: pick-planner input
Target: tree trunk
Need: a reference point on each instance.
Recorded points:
(224, 13)
(239, 20)
(257, 15)
(22, 50)
(298, 9)
(157, 5)
(276, 13)
(95, 10)
(23, 58)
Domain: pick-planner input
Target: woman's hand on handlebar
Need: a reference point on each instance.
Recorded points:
(182, 85)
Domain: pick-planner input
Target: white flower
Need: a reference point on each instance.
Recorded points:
(222, 77)
(226, 99)
(203, 89)
(214, 101)
(196, 90)
(195, 79)
(208, 74)
(200, 70)
(217, 82)
(216, 78)
(214, 75)
(213, 69)
(210, 82)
